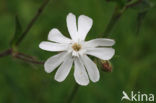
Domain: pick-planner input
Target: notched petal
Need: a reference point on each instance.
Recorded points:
(56, 36)
(84, 25)
(71, 25)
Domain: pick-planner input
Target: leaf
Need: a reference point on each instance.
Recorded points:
(18, 31)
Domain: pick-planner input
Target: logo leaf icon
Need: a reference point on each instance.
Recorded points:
(125, 96)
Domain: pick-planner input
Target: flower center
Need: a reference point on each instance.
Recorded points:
(76, 46)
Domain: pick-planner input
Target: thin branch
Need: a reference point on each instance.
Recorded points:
(73, 93)
(22, 57)
(133, 4)
(25, 55)
(5, 53)
(118, 12)
(115, 17)
(32, 21)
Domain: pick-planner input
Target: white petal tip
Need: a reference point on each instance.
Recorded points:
(52, 33)
(58, 80)
(96, 80)
(46, 68)
(112, 54)
(47, 71)
(69, 14)
(113, 41)
(41, 45)
(83, 83)
(110, 40)
(53, 30)
(88, 19)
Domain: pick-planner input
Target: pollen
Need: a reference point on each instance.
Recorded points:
(76, 46)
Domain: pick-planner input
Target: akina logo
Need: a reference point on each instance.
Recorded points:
(137, 96)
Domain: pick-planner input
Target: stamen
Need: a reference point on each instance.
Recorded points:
(76, 46)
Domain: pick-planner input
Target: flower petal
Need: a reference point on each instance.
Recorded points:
(84, 25)
(56, 36)
(91, 67)
(64, 69)
(100, 42)
(53, 62)
(49, 46)
(80, 73)
(71, 25)
(102, 53)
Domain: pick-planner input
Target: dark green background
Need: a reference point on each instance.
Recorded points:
(133, 64)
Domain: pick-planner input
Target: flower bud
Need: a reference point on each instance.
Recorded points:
(106, 66)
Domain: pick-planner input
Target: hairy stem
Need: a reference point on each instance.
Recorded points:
(32, 22)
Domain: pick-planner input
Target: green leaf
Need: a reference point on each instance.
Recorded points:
(18, 31)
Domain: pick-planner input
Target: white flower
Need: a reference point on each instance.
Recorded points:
(75, 50)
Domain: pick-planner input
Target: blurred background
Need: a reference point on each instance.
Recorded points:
(133, 64)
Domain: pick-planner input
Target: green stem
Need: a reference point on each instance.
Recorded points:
(115, 17)
(118, 12)
(32, 22)
(73, 93)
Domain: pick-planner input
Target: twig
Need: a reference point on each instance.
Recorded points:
(133, 4)
(32, 21)
(73, 93)
(25, 55)
(21, 57)
(116, 15)
(5, 53)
